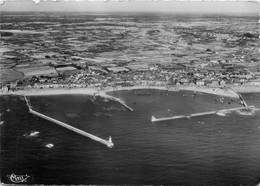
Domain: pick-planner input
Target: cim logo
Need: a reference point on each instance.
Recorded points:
(18, 178)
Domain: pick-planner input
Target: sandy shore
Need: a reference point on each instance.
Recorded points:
(209, 90)
(227, 92)
(86, 91)
(245, 89)
(56, 91)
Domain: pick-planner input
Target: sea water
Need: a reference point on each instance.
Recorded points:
(204, 150)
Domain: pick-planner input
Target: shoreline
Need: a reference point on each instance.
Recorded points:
(246, 89)
(230, 91)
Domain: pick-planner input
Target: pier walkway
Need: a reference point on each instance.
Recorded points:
(108, 143)
(153, 119)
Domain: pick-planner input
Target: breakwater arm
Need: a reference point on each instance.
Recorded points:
(242, 100)
(153, 119)
(122, 103)
(27, 102)
(104, 95)
(108, 143)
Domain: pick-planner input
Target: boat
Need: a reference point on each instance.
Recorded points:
(31, 134)
(35, 133)
(50, 145)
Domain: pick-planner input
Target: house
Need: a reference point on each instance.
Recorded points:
(200, 83)
(207, 82)
(214, 82)
(184, 80)
(222, 82)
(236, 80)
(29, 86)
(36, 85)
(5, 89)
(13, 84)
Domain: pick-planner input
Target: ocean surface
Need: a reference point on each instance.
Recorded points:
(219, 149)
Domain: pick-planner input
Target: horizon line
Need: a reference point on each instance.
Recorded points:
(131, 11)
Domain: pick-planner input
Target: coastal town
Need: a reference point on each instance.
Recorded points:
(45, 51)
(129, 92)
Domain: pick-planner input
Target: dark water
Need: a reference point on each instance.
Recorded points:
(207, 150)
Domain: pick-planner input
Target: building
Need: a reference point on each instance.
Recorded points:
(67, 70)
(138, 67)
(118, 69)
(200, 83)
(46, 71)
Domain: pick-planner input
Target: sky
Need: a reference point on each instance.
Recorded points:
(218, 7)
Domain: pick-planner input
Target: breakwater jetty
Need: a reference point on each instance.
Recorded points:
(122, 103)
(243, 102)
(153, 119)
(108, 143)
(104, 95)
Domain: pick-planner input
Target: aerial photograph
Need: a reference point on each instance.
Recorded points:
(129, 93)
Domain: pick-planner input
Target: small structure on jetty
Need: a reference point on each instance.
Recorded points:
(108, 143)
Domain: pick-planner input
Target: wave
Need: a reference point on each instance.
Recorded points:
(247, 111)
(32, 134)
(100, 114)
(223, 112)
(72, 115)
(243, 111)
(114, 108)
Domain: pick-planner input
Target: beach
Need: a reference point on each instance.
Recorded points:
(230, 91)
(212, 90)
(246, 88)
